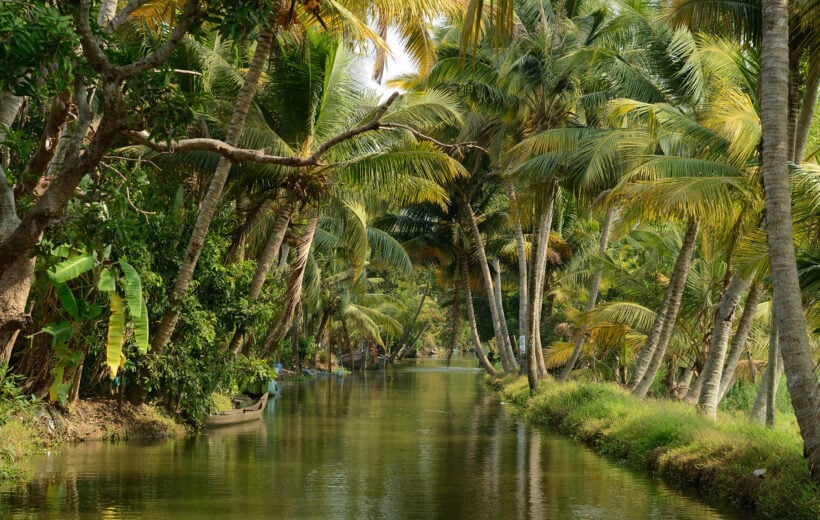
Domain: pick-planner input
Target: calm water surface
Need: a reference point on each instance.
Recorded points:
(414, 442)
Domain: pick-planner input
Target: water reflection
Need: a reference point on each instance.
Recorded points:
(417, 442)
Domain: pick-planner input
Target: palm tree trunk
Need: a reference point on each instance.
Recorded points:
(807, 109)
(293, 293)
(499, 302)
(468, 300)
(650, 345)
(507, 361)
(786, 297)
(764, 404)
(739, 340)
(713, 369)
(406, 334)
(523, 295)
(207, 209)
(593, 294)
(264, 263)
(675, 291)
(537, 278)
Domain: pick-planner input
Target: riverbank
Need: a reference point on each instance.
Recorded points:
(670, 440)
(28, 428)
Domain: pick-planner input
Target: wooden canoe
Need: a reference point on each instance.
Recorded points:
(239, 415)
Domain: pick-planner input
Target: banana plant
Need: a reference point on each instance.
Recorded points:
(123, 286)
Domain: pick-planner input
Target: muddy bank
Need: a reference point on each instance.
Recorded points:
(27, 430)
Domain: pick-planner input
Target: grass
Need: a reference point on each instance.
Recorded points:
(18, 441)
(671, 440)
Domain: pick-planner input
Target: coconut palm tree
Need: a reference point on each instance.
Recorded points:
(341, 20)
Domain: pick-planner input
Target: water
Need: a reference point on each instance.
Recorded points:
(414, 442)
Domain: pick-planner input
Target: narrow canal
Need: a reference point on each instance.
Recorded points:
(418, 441)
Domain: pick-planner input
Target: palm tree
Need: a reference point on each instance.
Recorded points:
(799, 365)
(341, 20)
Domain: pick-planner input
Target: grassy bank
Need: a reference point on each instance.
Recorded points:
(671, 440)
(18, 441)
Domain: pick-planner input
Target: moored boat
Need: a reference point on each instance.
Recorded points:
(238, 415)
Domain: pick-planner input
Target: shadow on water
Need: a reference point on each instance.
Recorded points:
(417, 441)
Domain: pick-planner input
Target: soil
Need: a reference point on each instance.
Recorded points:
(105, 419)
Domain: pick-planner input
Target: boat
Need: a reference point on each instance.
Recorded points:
(361, 359)
(238, 415)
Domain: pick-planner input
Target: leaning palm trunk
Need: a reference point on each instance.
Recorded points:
(766, 394)
(507, 360)
(804, 120)
(593, 294)
(293, 293)
(264, 264)
(468, 299)
(675, 295)
(207, 209)
(786, 296)
(713, 369)
(523, 298)
(739, 340)
(537, 278)
(499, 302)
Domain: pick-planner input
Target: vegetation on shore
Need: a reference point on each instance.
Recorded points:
(673, 441)
(191, 192)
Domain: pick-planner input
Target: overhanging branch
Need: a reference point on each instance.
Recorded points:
(237, 155)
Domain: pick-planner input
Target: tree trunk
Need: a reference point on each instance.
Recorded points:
(16, 286)
(807, 109)
(499, 302)
(293, 293)
(593, 294)
(686, 379)
(264, 263)
(675, 291)
(468, 297)
(207, 209)
(537, 277)
(771, 377)
(739, 340)
(713, 369)
(108, 9)
(523, 298)
(651, 343)
(786, 297)
(406, 332)
(507, 361)
(9, 108)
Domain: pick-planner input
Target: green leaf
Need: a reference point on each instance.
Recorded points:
(66, 297)
(133, 289)
(58, 391)
(60, 332)
(71, 268)
(116, 331)
(108, 281)
(141, 328)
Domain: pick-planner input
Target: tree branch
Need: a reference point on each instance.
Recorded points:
(91, 49)
(374, 124)
(237, 155)
(424, 137)
(190, 15)
(232, 153)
